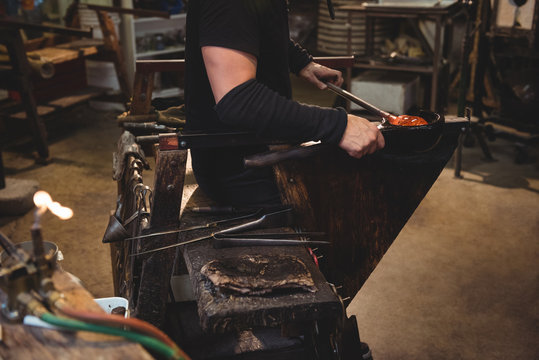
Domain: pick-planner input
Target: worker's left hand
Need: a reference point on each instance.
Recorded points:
(318, 74)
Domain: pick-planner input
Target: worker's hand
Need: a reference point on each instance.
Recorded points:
(361, 137)
(318, 74)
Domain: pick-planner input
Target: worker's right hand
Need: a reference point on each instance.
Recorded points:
(361, 137)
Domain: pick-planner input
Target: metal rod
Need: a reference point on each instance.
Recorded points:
(138, 12)
(11, 23)
(192, 228)
(173, 245)
(265, 220)
(233, 241)
(231, 209)
(11, 249)
(282, 235)
(347, 95)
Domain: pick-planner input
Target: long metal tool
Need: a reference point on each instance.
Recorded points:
(349, 96)
(387, 118)
(275, 219)
(264, 235)
(262, 240)
(192, 228)
(12, 250)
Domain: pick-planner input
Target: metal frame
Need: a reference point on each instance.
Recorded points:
(441, 15)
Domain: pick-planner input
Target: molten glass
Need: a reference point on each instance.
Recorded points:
(407, 120)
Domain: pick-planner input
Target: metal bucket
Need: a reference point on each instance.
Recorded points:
(51, 251)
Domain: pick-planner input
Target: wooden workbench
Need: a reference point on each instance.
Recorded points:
(219, 312)
(220, 324)
(27, 342)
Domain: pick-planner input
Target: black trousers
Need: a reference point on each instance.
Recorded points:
(227, 183)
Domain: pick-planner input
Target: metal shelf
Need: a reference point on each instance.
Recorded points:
(411, 12)
(396, 67)
(168, 92)
(169, 50)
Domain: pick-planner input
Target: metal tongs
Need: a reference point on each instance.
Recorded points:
(209, 225)
(221, 240)
(230, 237)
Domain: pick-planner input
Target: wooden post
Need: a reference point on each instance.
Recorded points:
(21, 68)
(165, 212)
(142, 93)
(112, 45)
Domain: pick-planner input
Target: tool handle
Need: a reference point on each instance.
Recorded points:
(213, 209)
(146, 126)
(349, 96)
(145, 139)
(295, 152)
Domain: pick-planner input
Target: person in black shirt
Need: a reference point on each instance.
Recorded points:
(238, 59)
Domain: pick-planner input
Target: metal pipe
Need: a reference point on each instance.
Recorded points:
(348, 95)
(120, 10)
(11, 23)
(10, 248)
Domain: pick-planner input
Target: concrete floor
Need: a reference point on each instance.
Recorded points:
(461, 281)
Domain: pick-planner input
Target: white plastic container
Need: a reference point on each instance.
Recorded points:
(110, 303)
(395, 92)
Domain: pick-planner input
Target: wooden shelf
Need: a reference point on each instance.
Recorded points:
(63, 102)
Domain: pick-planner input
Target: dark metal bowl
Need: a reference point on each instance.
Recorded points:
(51, 250)
(404, 139)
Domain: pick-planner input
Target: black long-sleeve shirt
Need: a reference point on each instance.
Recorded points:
(263, 105)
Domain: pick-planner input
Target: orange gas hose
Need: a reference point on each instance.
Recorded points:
(119, 321)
